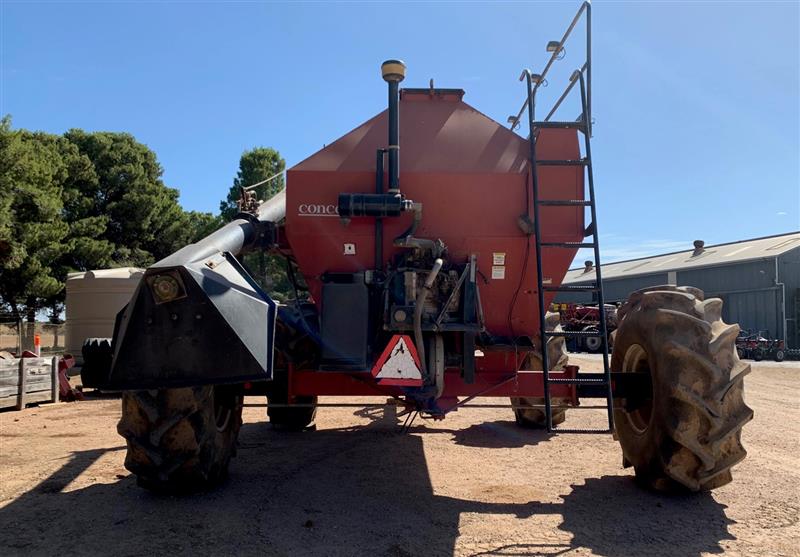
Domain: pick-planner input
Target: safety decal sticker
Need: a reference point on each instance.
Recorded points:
(399, 363)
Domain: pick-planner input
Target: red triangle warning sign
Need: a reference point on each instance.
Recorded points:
(399, 363)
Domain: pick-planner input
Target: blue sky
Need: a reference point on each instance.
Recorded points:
(697, 132)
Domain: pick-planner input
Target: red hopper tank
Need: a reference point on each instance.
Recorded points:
(472, 176)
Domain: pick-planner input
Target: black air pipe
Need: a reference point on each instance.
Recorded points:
(394, 137)
(378, 222)
(235, 237)
(393, 72)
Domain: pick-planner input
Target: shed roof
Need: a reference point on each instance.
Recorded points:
(720, 254)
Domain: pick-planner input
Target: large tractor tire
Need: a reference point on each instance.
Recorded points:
(593, 344)
(292, 418)
(684, 434)
(534, 418)
(97, 353)
(295, 345)
(180, 440)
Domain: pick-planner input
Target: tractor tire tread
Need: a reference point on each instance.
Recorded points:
(699, 372)
(534, 418)
(173, 441)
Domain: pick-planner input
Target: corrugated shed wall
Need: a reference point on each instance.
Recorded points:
(789, 275)
(750, 297)
(616, 290)
(748, 290)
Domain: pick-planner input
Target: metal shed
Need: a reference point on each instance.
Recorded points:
(758, 280)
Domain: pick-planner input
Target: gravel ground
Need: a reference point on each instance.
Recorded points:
(473, 484)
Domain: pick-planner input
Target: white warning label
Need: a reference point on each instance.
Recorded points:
(498, 258)
(498, 272)
(398, 363)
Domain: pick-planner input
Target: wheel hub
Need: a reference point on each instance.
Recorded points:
(636, 361)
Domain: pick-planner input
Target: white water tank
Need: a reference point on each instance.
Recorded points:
(93, 300)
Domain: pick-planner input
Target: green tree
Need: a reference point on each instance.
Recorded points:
(256, 165)
(33, 233)
(129, 216)
(9, 251)
(85, 201)
(201, 225)
(77, 202)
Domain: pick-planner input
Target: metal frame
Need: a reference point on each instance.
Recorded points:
(582, 77)
(566, 384)
(586, 69)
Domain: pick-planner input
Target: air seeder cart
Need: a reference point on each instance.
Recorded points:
(758, 346)
(429, 282)
(584, 317)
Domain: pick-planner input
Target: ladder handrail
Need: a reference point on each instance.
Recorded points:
(586, 7)
(573, 79)
(531, 102)
(582, 77)
(601, 303)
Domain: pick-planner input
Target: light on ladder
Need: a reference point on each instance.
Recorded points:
(552, 46)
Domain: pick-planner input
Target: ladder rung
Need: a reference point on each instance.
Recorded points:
(566, 288)
(578, 381)
(578, 125)
(562, 162)
(567, 244)
(566, 202)
(567, 430)
(572, 333)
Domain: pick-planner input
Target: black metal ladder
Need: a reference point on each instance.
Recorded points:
(584, 125)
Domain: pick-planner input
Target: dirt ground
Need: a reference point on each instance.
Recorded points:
(473, 484)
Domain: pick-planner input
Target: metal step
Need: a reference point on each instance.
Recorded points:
(578, 381)
(567, 244)
(578, 125)
(565, 203)
(581, 407)
(562, 162)
(587, 431)
(566, 288)
(571, 333)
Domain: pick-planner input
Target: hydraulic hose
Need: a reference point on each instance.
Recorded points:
(420, 305)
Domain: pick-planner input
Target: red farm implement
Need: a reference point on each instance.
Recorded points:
(428, 281)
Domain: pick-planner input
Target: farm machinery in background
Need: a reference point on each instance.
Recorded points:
(585, 318)
(429, 282)
(758, 346)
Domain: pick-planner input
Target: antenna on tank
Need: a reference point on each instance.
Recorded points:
(394, 71)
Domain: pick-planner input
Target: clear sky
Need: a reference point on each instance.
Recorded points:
(697, 132)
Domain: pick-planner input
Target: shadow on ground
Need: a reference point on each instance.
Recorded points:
(356, 491)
